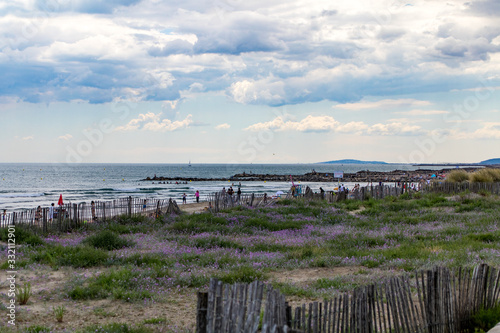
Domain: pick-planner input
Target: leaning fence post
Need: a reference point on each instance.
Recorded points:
(201, 315)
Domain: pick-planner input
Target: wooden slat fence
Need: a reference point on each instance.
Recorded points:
(219, 201)
(72, 215)
(436, 301)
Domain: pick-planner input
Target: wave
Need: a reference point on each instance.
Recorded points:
(21, 195)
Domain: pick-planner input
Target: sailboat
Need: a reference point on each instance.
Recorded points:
(189, 164)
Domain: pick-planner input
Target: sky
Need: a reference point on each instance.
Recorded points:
(233, 81)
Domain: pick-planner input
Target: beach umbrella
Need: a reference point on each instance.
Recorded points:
(279, 193)
(60, 202)
(433, 176)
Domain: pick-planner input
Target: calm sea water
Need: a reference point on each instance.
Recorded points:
(29, 185)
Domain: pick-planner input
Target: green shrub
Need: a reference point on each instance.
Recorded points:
(486, 319)
(155, 321)
(288, 289)
(124, 284)
(116, 328)
(244, 274)
(37, 329)
(22, 235)
(88, 292)
(24, 293)
(211, 242)
(79, 256)
(457, 176)
(264, 223)
(488, 237)
(59, 312)
(107, 240)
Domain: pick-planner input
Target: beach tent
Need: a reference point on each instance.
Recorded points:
(433, 176)
(60, 202)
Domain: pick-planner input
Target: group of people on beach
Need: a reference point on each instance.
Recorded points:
(38, 213)
(196, 195)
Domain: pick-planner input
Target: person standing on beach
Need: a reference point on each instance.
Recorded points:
(144, 205)
(4, 216)
(239, 193)
(184, 198)
(197, 195)
(92, 210)
(51, 212)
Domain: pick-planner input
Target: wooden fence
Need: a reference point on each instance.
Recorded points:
(361, 193)
(383, 191)
(438, 301)
(219, 201)
(70, 216)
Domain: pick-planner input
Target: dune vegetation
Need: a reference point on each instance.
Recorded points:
(141, 275)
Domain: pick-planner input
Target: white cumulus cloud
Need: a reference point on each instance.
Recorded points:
(222, 126)
(154, 122)
(65, 137)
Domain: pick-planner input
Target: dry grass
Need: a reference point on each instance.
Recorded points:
(457, 176)
(487, 175)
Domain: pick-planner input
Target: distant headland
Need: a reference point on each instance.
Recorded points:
(351, 161)
(492, 161)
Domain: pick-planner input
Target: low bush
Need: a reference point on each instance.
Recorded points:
(22, 236)
(244, 274)
(485, 319)
(107, 240)
(116, 328)
(79, 256)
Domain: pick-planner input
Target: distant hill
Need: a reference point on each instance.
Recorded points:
(350, 161)
(491, 161)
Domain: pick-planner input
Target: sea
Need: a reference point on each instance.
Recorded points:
(28, 185)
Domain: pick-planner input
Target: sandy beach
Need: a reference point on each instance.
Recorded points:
(191, 208)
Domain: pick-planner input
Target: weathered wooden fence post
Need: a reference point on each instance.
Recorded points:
(44, 220)
(75, 215)
(104, 212)
(129, 206)
(201, 316)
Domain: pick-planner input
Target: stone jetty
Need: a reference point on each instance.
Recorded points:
(358, 177)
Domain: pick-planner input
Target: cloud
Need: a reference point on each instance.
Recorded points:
(254, 52)
(308, 124)
(329, 124)
(397, 129)
(28, 138)
(484, 7)
(154, 123)
(222, 126)
(65, 137)
(417, 112)
(382, 104)
(83, 6)
(490, 130)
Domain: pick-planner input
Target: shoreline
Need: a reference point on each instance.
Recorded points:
(358, 177)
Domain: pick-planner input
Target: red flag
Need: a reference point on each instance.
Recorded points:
(60, 202)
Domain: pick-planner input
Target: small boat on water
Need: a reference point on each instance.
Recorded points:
(189, 164)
